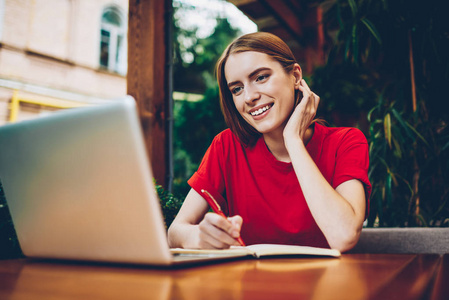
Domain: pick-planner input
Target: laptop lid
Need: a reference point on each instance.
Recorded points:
(78, 184)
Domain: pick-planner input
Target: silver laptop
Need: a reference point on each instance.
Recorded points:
(79, 186)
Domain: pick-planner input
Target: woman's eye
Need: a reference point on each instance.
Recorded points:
(236, 90)
(261, 77)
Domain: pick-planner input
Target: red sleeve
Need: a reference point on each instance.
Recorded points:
(352, 161)
(209, 175)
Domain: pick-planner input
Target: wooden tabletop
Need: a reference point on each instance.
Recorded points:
(353, 276)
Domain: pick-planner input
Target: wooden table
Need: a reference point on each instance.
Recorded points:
(353, 276)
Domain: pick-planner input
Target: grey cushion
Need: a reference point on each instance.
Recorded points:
(403, 240)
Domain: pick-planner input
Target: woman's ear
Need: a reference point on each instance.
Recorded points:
(297, 74)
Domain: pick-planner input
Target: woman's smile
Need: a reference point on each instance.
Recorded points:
(260, 111)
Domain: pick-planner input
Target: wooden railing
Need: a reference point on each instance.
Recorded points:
(14, 106)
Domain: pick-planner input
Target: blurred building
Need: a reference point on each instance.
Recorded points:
(60, 53)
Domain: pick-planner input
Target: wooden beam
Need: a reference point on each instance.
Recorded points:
(286, 18)
(147, 77)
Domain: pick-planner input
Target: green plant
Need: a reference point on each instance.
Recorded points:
(403, 49)
(169, 203)
(195, 55)
(408, 169)
(390, 156)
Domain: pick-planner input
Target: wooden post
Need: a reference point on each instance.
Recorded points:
(147, 77)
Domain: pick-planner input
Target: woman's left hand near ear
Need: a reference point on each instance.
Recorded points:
(303, 114)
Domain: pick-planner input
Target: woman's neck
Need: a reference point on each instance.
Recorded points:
(276, 145)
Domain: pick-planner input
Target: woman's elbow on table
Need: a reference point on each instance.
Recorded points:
(346, 240)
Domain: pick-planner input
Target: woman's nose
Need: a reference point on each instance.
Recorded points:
(251, 94)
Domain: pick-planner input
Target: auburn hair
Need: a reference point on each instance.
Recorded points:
(262, 42)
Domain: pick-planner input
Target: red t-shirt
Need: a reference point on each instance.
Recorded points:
(265, 192)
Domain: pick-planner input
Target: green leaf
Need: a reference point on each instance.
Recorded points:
(445, 146)
(347, 46)
(355, 44)
(339, 18)
(393, 177)
(388, 192)
(418, 134)
(402, 122)
(353, 6)
(372, 29)
(422, 219)
(408, 127)
(387, 128)
(370, 114)
(384, 163)
(397, 147)
(440, 208)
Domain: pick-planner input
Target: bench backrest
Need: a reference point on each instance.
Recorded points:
(403, 240)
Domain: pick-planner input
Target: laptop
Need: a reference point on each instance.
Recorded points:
(79, 186)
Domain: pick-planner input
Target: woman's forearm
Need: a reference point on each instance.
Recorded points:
(340, 217)
(183, 232)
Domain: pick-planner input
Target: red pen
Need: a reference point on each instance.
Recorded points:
(217, 209)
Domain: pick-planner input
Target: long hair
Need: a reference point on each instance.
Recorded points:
(263, 42)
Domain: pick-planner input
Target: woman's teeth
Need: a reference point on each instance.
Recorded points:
(260, 110)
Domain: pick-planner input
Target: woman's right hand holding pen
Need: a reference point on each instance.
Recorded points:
(196, 228)
(216, 232)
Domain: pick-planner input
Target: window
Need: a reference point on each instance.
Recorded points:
(113, 46)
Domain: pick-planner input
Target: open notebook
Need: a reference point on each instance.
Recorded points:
(79, 186)
(262, 250)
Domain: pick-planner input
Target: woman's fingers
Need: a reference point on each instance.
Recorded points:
(305, 85)
(310, 99)
(217, 232)
(317, 99)
(236, 222)
(303, 114)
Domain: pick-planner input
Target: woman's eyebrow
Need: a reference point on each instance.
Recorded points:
(250, 75)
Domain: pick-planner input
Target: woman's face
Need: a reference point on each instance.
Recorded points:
(263, 93)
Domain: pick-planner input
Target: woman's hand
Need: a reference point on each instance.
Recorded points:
(194, 228)
(302, 115)
(218, 232)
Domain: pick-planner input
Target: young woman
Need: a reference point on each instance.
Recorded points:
(281, 177)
